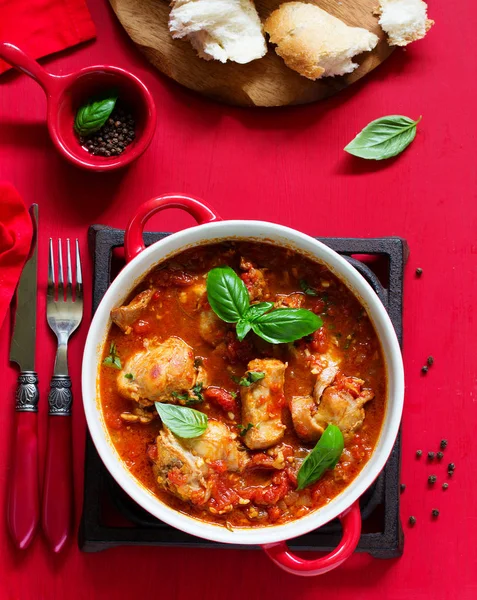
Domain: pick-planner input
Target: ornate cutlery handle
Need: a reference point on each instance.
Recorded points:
(23, 508)
(57, 513)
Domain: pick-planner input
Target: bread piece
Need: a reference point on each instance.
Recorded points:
(404, 21)
(313, 42)
(219, 29)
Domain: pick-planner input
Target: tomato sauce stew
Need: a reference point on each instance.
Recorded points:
(267, 404)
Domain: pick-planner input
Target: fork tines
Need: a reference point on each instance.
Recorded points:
(60, 274)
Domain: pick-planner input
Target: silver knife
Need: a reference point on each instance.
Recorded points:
(23, 497)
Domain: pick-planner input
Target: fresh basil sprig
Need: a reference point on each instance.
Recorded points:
(113, 360)
(227, 294)
(182, 421)
(250, 377)
(93, 116)
(324, 456)
(384, 138)
(243, 430)
(229, 299)
(308, 290)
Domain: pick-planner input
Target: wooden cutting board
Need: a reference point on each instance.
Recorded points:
(263, 82)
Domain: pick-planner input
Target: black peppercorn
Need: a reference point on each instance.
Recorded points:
(418, 453)
(451, 467)
(435, 513)
(431, 455)
(403, 487)
(424, 369)
(440, 455)
(432, 479)
(430, 360)
(418, 272)
(412, 520)
(445, 486)
(443, 444)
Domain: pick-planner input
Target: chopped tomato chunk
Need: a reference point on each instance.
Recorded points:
(221, 397)
(141, 326)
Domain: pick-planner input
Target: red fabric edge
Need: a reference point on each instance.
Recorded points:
(77, 23)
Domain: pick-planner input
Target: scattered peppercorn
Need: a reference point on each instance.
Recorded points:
(412, 521)
(435, 513)
(403, 487)
(440, 455)
(451, 468)
(430, 360)
(424, 369)
(418, 453)
(113, 137)
(443, 444)
(418, 272)
(445, 486)
(431, 455)
(432, 479)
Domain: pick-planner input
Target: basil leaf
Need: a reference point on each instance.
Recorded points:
(94, 115)
(227, 294)
(243, 430)
(249, 378)
(324, 456)
(243, 327)
(182, 421)
(257, 310)
(384, 138)
(286, 325)
(113, 360)
(309, 291)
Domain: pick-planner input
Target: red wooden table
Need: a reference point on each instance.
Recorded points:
(286, 166)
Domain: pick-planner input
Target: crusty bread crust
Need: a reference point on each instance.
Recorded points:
(315, 43)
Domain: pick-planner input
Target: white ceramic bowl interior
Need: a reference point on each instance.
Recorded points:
(253, 231)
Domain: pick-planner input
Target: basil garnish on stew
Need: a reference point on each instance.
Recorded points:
(324, 456)
(249, 378)
(384, 138)
(227, 294)
(113, 360)
(182, 421)
(229, 299)
(92, 116)
(308, 290)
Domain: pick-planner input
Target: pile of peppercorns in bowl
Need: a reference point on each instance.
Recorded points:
(104, 128)
(113, 137)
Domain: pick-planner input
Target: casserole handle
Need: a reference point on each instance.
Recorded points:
(134, 243)
(281, 555)
(15, 57)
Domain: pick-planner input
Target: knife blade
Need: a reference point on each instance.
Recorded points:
(22, 345)
(23, 504)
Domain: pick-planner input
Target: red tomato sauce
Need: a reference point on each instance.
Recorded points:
(270, 494)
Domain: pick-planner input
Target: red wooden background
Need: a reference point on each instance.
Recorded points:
(286, 166)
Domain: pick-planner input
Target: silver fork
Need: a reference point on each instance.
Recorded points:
(64, 314)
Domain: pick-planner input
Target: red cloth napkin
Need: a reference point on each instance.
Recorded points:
(41, 27)
(15, 239)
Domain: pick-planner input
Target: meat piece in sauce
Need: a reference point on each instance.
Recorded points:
(125, 316)
(295, 300)
(262, 404)
(184, 467)
(340, 404)
(254, 280)
(140, 415)
(211, 329)
(157, 372)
